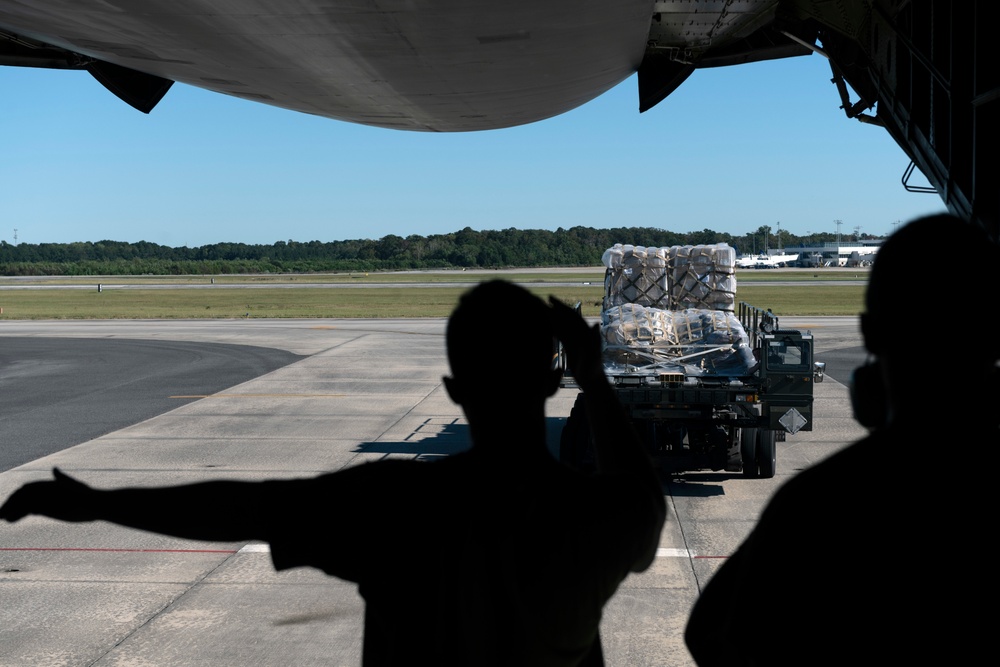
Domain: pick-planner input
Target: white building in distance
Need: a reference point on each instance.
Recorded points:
(845, 253)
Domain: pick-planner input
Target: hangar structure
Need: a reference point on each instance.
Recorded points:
(921, 69)
(834, 253)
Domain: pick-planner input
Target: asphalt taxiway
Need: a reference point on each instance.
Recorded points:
(354, 391)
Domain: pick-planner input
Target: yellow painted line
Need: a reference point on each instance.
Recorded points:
(261, 396)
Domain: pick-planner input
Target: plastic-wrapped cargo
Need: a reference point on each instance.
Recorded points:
(636, 274)
(723, 327)
(699, 326)
(717, 338)
(703, 276)
(633, 324)
(703, 341)
(674, 306)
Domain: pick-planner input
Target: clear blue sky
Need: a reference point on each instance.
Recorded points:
(732, 149)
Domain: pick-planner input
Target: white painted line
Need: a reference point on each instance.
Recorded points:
(673, 553)
(660, 553)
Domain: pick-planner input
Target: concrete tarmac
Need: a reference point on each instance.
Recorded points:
(96, 594)
(57, 394)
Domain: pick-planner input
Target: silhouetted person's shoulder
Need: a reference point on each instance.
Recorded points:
(849, 563)
(860, 559)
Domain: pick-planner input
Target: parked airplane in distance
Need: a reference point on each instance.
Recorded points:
(767, 261)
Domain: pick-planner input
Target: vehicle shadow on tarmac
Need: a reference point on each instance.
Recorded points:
(698, 485)
(437, 438)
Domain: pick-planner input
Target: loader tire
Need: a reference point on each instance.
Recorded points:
(767, 453)
(748, 451)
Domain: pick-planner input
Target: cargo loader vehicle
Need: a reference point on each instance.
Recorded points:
(708, 383)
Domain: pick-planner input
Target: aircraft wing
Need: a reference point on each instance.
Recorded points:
(437, 65)
(463, 65)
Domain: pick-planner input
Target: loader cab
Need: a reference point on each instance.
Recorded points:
(788, 373)
(787, 352)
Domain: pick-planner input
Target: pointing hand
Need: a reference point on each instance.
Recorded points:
(63, 498)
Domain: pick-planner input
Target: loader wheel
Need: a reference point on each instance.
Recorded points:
(766, 453)
(748, 451)
(575, 447)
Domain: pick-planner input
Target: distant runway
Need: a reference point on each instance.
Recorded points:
(369, 285)
(359, 390)
(277, 285)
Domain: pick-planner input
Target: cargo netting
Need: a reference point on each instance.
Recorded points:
(674, 278)
(701, 340)
(674, 307)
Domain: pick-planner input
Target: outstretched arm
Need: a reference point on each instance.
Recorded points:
(215, 511)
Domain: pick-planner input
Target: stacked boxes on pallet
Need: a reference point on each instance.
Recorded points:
(703, 276)
(637, 275)
(678, 301)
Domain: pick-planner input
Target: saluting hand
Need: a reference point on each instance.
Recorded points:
(582, 343)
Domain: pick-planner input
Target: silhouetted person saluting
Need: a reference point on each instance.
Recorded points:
(499, 555)
(872, 556)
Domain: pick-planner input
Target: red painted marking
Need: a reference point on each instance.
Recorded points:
(142, 551)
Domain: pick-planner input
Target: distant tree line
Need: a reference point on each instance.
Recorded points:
(577, 246)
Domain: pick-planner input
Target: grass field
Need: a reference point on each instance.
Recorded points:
(583, 274)
(135, 302)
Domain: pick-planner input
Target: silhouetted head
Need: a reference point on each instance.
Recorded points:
(931, 292)
(500, 343)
